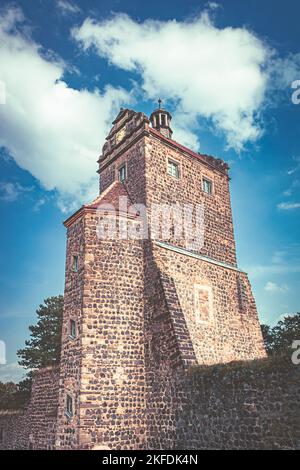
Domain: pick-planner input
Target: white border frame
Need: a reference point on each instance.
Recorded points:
(198, 287)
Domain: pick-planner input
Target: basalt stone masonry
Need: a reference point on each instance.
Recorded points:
(243, 405)
(152, 291)
(35, 426)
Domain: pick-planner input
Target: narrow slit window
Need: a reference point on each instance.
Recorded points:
(207, 185)
(73, 332)
(75, 263)
(122, 173)
(173, 169)
(1, 435)
(69, 406)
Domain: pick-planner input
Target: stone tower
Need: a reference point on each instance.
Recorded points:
(152, 287)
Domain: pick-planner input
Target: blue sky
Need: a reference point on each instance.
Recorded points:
(224, 70)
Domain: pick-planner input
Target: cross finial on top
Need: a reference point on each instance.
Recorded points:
(159, 103)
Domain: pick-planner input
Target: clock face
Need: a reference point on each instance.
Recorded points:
(120, 134)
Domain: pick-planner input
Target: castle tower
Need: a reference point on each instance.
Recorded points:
(152, 287)
(161, 120)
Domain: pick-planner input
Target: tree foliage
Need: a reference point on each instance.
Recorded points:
(44, 346)
(279, 339)
(41, 350)
(14, 396)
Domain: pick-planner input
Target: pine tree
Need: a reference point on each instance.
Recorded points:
(43, 349)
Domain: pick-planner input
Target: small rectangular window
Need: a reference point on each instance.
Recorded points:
(69, 406)
(75, 263)
(122, 173)
(73, 329)
(207, 185)
(173, 169)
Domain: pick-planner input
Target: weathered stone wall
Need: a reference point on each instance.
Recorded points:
(68, 430)
(34, 427)
(232, 331)
(175, 341)
(162, 188)
(246, 405)
(103, 369)
(112, 408)
(13, 430)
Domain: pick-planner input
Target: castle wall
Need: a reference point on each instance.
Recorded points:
(231, 329)
(68, 429)
(135, 183)
(34, 427)
(165, 189)
(103, 370)
(112, 409)
(162, 358)
(240, 406)
(175, 341)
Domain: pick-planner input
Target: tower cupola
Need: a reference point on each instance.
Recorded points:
(160, 120)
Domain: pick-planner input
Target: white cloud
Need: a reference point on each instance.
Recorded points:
(295, 184)
(259, 270)
(282, 262)
(9, 192)
(50, 129)
(39, 203)
(213, 5)
(12, 372)
(67, 7)
(296, 167)
(216, 73)
(273, 287)
(287, 206)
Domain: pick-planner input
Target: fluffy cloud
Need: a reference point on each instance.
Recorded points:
(50, 129)
(10, 192)
(221, 74)
(67, 7)
(273, 287)
(281, 263)
(288, 206)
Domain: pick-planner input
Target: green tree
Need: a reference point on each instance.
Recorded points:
(13, 396)
(44, 346)
(279, 339)
(43, 349)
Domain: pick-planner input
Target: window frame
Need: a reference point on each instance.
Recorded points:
(210, 181)
(75, 263)
(71, 325)
(197, 313)
(120, 168)
(177, 165)
(69, 410)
